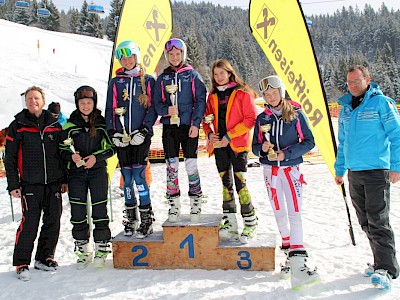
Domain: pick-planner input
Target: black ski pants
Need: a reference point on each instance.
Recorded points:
(35, 200)
(370, 194)
(79, 182)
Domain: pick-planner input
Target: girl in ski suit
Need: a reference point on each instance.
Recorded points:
(231, 103)
(281, 136)
(132, 90)
(87, 170)
(190, 99)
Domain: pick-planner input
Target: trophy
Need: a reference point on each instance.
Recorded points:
(69, 142)
(208, 119)
(271, 153)
(121, 111)
(172, 88)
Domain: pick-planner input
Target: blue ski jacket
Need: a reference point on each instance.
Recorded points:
(369, 135)
(191, 95)
(124, 91)
(294, 138)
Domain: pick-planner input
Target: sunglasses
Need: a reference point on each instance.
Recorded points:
(267, 82)
(173, 43)
(123, 52)
(84, 94)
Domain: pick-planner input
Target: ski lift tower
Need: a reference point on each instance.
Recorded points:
(95, 9)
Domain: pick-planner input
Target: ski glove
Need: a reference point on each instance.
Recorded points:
(117, 140)
(138, 136)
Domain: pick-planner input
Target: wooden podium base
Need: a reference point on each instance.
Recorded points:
(186, 245)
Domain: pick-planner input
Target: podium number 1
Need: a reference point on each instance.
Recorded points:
(189, 241)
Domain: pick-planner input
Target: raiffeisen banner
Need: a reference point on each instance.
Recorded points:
(149, 24)
(281, 30)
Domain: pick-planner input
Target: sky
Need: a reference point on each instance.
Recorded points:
(80, 60)
(310, 7)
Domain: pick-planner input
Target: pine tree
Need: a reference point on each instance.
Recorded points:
(93, 26)
(111, 28)
(21, 16)
(83, 18)
(74, 18)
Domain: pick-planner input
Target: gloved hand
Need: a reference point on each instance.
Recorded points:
(137, 137)
(117, 140)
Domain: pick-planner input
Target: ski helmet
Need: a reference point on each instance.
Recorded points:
(272, 81)
(127, 49)
(86, 91)
(178, 44)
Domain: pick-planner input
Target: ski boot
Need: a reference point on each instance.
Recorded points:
(84, 254)
(382, 280)
(174, 211)
(228, 228)
(147, 217)
(250, 225)
(301, 275)
(285, 267)
(102, 249)
(195, 207)
(23, 273)
(131, 220)
(369, 270)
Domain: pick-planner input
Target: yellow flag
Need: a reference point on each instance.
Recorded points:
(281, 30)
(149, 24)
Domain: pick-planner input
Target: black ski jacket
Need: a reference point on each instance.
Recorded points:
(99, 145)
(32, 150)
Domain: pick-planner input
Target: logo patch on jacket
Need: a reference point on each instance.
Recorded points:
(51, 137)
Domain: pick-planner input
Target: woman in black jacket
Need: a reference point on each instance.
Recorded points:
(85, 148)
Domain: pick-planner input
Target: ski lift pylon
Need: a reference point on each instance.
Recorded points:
(22, 4)
(43, 12)
(95, 9)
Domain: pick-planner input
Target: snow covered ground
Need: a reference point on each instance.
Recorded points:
(82, 60)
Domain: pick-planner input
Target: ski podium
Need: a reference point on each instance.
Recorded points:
(187, 245)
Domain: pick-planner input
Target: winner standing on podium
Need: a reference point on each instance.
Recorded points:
(180, 100)
(130, 117)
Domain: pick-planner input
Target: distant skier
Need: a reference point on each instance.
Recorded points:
(281, 137)
(55, 109)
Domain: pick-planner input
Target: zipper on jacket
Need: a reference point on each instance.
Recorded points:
(131, 86)
(44, 154)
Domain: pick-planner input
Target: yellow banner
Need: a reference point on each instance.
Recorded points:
(280, 29)
(149, 24)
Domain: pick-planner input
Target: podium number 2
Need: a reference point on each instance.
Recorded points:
(189, 241)
(143, 253)
(244, 257)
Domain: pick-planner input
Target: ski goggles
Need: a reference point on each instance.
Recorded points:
(178, 44)
(123, 52)
(84, 94)
(271, 81)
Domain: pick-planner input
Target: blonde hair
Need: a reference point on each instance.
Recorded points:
(288, 112)
(35, 88)
(143, 98)
(233, 77)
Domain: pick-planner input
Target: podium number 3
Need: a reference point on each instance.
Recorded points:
(244, 257)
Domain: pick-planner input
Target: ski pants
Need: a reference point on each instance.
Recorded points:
(174, 137)
(132, 159)
(79, 182)
(284, 187)
(370, 195)
(35, 200)
(227, 160)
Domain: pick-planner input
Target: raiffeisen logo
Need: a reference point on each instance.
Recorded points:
(156, 27)
(265, 26)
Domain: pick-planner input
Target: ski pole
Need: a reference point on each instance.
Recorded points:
(12, 209)
(351, 232)
(111, 210)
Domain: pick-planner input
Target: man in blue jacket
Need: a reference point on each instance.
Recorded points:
(369, 148)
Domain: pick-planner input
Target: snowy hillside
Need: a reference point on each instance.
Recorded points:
(81, 60)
